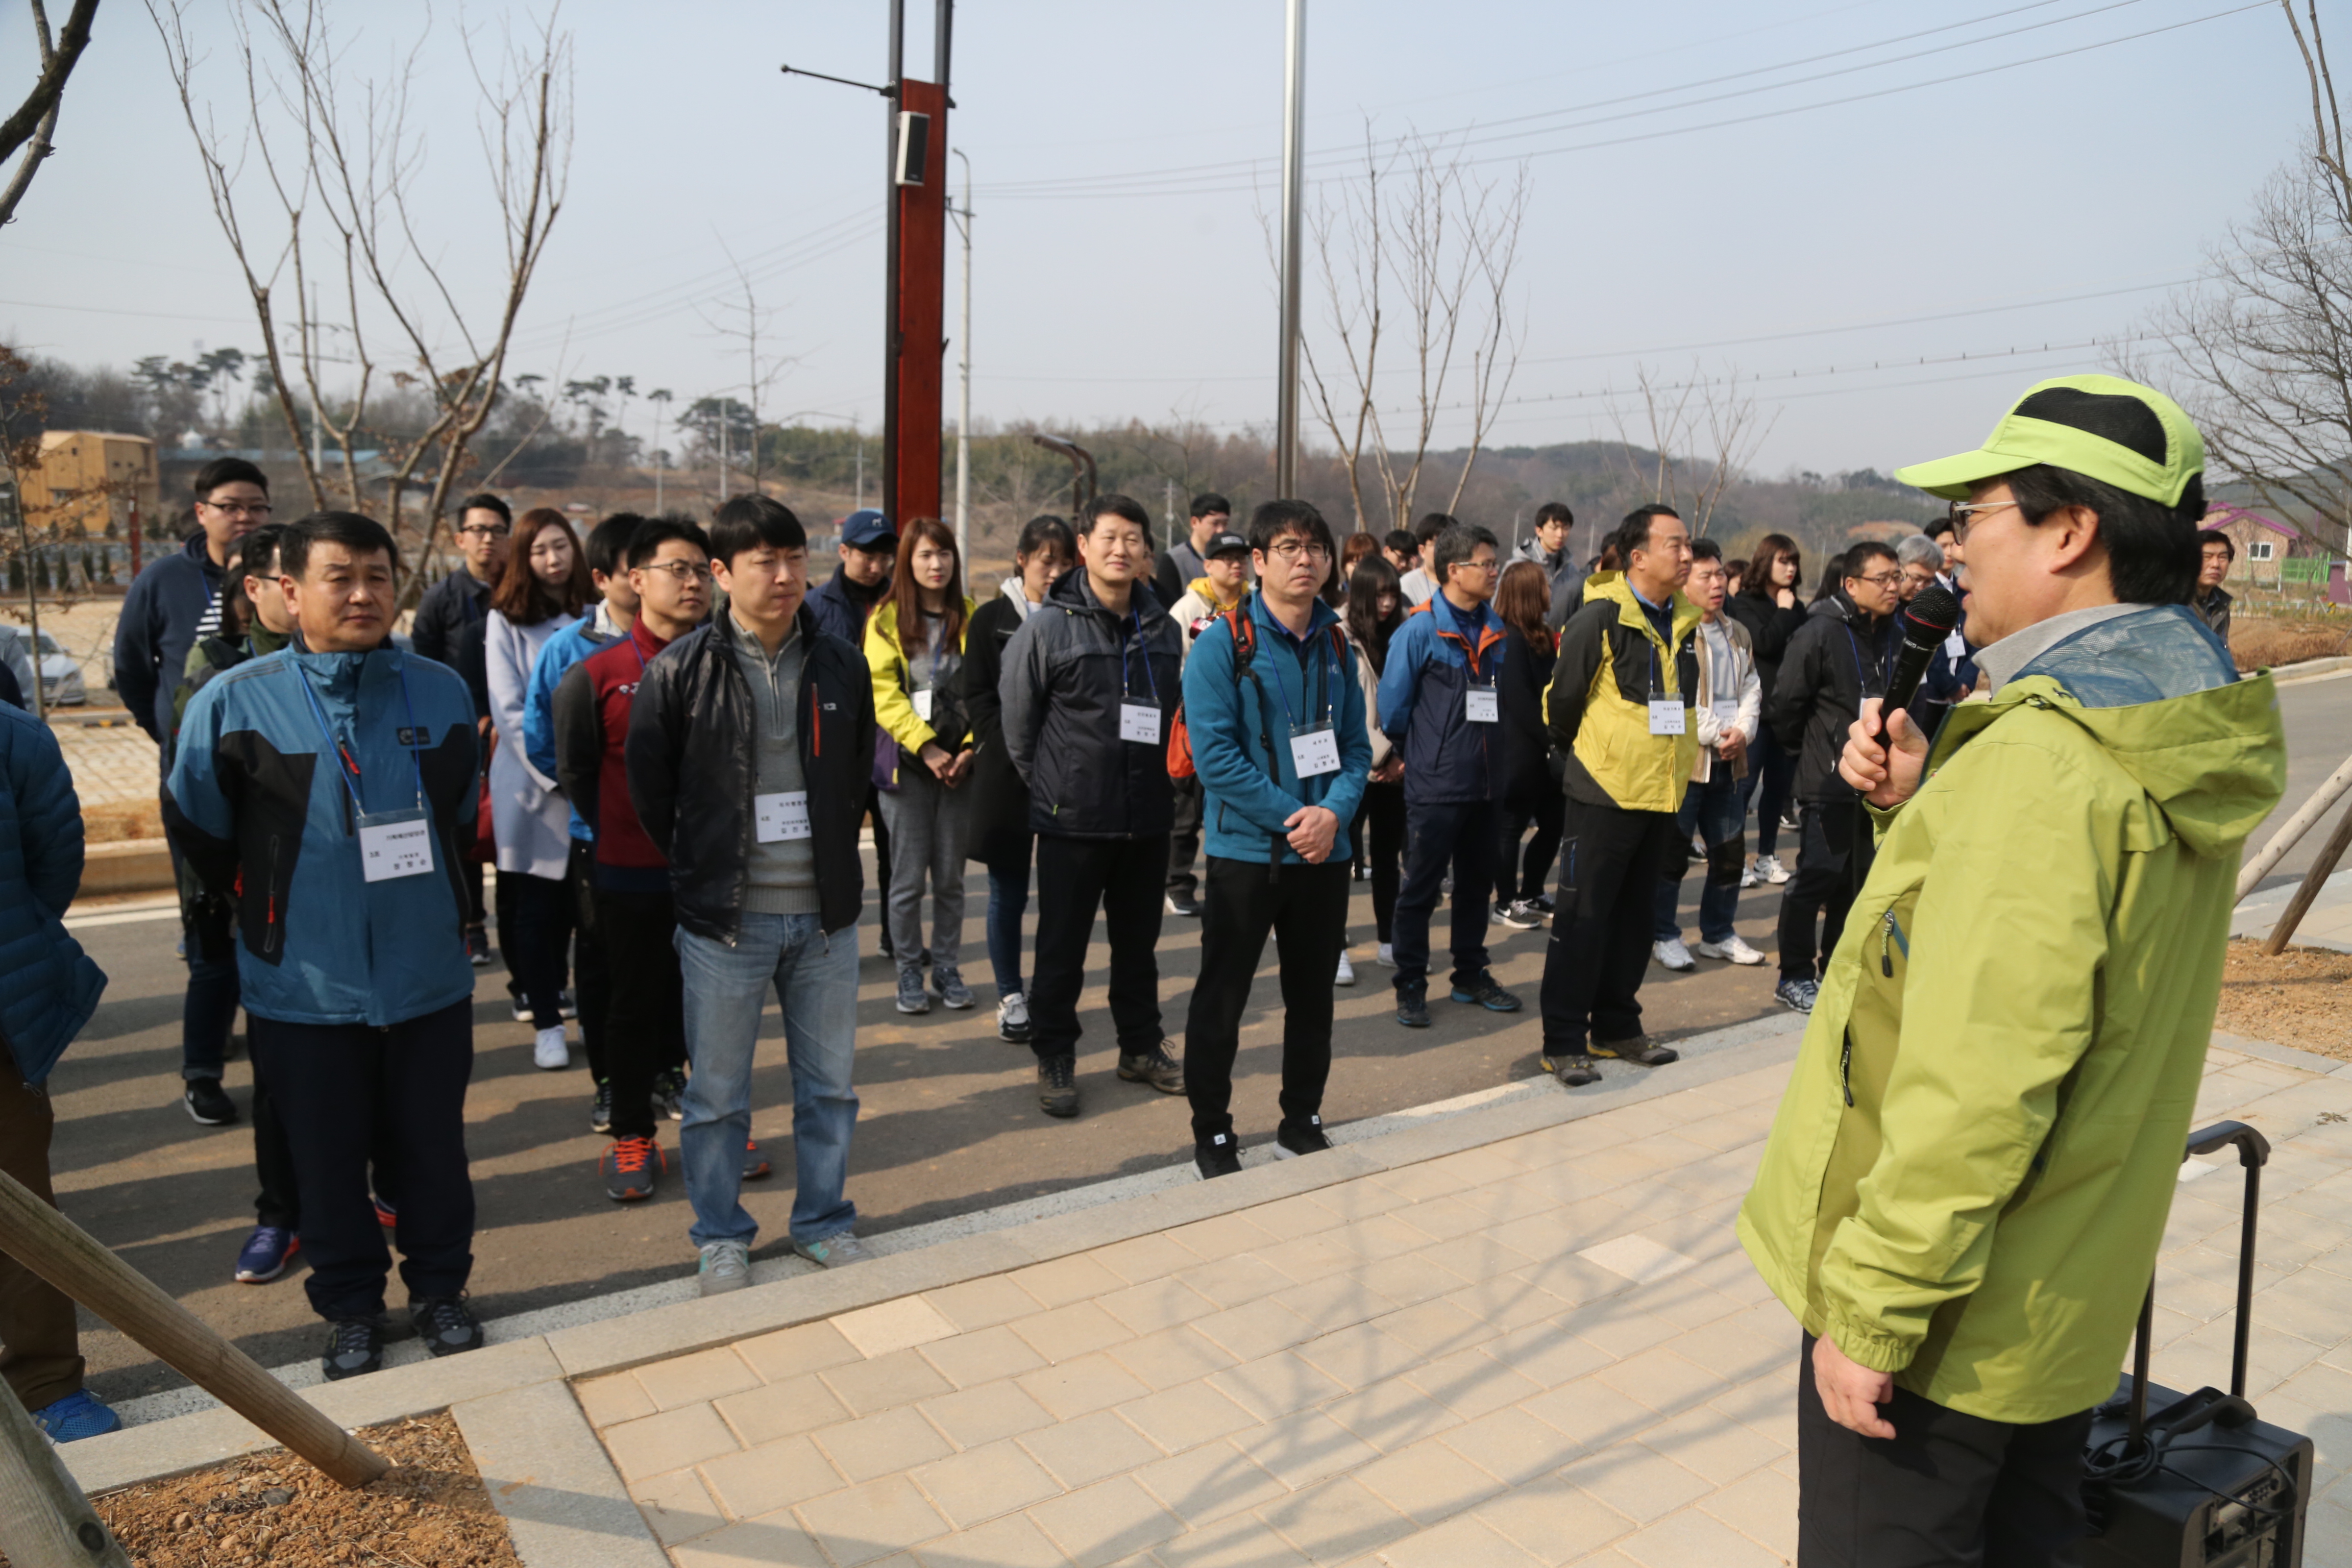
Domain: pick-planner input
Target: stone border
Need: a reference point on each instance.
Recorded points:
(548, 1473)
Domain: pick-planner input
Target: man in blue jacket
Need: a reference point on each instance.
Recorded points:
(1439, 700)
(1277, 725)
(48, 988)
(329, 788)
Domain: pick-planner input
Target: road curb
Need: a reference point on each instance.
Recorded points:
(127, 866)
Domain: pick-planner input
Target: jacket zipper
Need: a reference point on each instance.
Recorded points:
(270, 941)
(1885, 945)
(1846, 1067)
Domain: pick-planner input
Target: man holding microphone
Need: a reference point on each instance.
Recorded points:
(1964, 1191)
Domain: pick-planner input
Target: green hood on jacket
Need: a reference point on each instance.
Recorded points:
(1971, 1172)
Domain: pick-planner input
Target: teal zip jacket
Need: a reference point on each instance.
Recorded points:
(1289, 684)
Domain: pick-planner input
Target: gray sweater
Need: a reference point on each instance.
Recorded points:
(782, 875)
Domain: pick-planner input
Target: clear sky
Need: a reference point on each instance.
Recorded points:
(1959, 194)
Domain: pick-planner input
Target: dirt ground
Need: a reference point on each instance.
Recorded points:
(431, 1511)
(2260, 642)
(2299, 999)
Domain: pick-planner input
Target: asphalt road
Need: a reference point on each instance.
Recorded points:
(949, 1124)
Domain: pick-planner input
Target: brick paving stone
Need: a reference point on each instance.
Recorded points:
(1141, 1257)
(1104, 1522)
(1259, 1328)
(1013, 1542)
(677, 1507)
(982, 1356)
(609, 1401)
(1247, 1541)
(1391, 1416)
(1085, 1450)
(1207, 1483)
(1276, 1385)
(1157, 1303)
(971, 1416)
(875, 1445)
(1336, 1520)
(1360, 1355)
(1512, 1445)
(696, 1379)
(1185, 1416)
(773, 1475)
(1553, 1520)
(983, 1303)
(898, 1325)
(777, 1541)
(1465, 1542)
(1222, 1236)
(1692, 1538)
(1428, 1481)
(1334, 1300)
(985, 1482)
(1436, 1327)
(1471, 1383)
(1234, 1280)
(654, 1444)
(781, 1410)
(788, 1353)
(1077, 1387)
(1171, 1356)
(1299, 1450)
(1077, 1277)
(1066, 1333)
(1409, 1278)
(870, 1522)
(901, 1377)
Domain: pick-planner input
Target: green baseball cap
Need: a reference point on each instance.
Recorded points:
(2129, 436)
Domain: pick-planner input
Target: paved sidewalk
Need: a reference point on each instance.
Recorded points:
(1547, 1349)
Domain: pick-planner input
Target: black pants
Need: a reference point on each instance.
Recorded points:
(342, 1090)
(881, 864)
(278, 1203)
(1599, 947)
(470, 874)
(1306, 907)
(536, 936)
(1519, 874)
(648, 1007)
(1823, 886)
(1122, 876)
(591, 970)
(1459, 834)
(1947, 1490)
(1184, 838)
(1380, 848)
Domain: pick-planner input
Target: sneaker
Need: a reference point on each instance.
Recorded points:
(630, 1168)
(1293, 1138)
(912, 997)
(1217, 1155)
(670, 1093)
(1789, 823)
(266, 1254)
(1573, 1072)
(79, 1414)
(1487, 995)
(1749, 877)
(478, 947)
(1057, 1085)
(515, 1002)
(833, 1251)
(1637, 1050)
(207, 1103)
(1735, 950)
(386, 1215)
(445, 1325)
(755, 1165)
(1347, 973)
(548, 1052)
(600, 1110)
(1183, 904)
(566, 1006)
(726, 1266)
(1797, 994)
(354, 1347)
(1769, 868)
(1156, 1066)
(1012, 1018)
(1522, 914)
(948, 980)
(1543, 902)
(1385, 955)
(1412, 1009)
(1493, 915)
(1673, 956)
(888, 951)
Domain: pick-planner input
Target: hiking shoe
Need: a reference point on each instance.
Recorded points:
(79, 1414)
(548, 1052)
(354, 1347)
(1012, 1018)
(1572, 1071)
(1673, 956)
(1217, 1155)
(1183, 904)
(1347, 972)
(1799, 994)
(445, 1325)
(912, 997)
(1412, 1009)
(478, 947)
(1522, 914)
(630, 1168)
(1487, 995)
(386, 1215)
(948, 980)
(670, 1093)
(726, 1266)
(266, 1254)
(755, 1165)
(1637, 1050)
(1733, 951)
(1293, 1138)
(1769, 868)
(207, 1103)
(1156, 1067)
(1057, 1085)
(833, 1251)
(600, 1110)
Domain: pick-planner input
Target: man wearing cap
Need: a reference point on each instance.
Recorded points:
(1964, 1191)
(1186, 559)
(869, 548)
(1224, 583)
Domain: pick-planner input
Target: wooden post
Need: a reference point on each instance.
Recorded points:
(2286, 837)
(2321, 869)
(68, 1257)
(45, 1522)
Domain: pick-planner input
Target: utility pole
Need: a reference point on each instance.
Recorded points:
(1294, 197)
(963, 394)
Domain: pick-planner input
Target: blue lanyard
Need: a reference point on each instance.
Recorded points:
(349, 770)
(1126, 681)
(1321, 665)
(1856, 643)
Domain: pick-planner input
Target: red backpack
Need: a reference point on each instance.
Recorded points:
(1244, 630)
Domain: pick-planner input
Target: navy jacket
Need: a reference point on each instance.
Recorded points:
(841, 607)
(157, 628)
(1434, 658)
(261, 805)
(48, 986)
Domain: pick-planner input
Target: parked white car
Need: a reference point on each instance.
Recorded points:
(61, 682)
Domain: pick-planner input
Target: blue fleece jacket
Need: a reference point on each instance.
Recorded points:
(1299, 684)
(567, 647)
(48, 986)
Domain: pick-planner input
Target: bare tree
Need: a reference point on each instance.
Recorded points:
(1415, 260)
(760, 371)
(340, 156)
(33, 125)
(1699, 421)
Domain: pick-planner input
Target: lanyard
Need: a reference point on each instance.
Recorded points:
(1856, 643)
(349, 768)
(1321, 665)
(1126, 681)
(1469, 650)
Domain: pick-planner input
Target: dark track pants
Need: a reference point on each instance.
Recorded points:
(1459, 834)
(40, 1352)
(1306, 908)
(1123, 878)
(1823, 887)
(1599, 947)
(1184, 837)
(646, 1028)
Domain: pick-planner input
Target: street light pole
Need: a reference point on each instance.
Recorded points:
(1294, 134)
(963, 395)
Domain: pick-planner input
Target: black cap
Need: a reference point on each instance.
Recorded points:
(1226, 543)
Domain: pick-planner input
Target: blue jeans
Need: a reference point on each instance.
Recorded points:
(1008, 900)
(815, 977)
(1716, 812)
(207, 1015)
(1772, 776)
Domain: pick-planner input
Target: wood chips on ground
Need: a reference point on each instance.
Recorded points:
(431, 1511)
(116, 821)
(2301, 998)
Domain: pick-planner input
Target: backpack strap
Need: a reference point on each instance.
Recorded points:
(1246, 663)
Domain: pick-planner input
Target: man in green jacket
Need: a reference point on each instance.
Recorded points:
(1964, 1191)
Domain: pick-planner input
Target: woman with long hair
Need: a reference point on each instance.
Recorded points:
(1357, 546)
(999, 837)
(542, 590)
(1375, 610)
(1531, 794)
(914, 645)
(1770, 604)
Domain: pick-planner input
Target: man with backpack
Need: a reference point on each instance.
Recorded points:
(1273, 720)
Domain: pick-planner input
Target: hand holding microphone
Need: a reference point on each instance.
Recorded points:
(1886, 767)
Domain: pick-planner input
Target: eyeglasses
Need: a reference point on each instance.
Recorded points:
(240, 509)
(680, 572)
(488, 530)
(1883, 579)
(1480, 566)
(1290, 550)
(1961, 512)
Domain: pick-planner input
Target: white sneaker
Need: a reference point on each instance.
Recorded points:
(1768, 867)
(1673, 953)
(1748, 877)
(1387, 955)
(548, 1051)
(1012, 1018)
(1735, 951)
(725, 1266)
(1347, 975)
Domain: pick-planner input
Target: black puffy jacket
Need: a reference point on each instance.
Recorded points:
(1527, 778)
(1067, 672)
(1839, 656)
(1769, 627)
(1000, 806)
(693, 768)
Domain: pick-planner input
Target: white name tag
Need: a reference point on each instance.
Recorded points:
(923, 706)
(1484, 706)
(1314, 752)
(396, 844)
(1666, 715)
(781, 816)
(1726, 713)
(1140, 723)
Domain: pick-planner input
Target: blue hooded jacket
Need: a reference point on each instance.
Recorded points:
(1229, 721)
(1435, 656)
(565, 648)
(261, 804)
(48, 986)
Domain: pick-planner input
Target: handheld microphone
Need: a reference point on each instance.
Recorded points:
(1926, 625)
